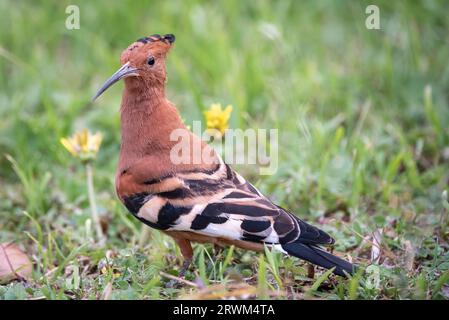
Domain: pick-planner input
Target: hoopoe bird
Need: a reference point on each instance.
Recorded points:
(203, 201)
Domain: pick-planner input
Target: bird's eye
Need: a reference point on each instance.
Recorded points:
(150, 61)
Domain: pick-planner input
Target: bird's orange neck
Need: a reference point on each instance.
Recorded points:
(147, 120)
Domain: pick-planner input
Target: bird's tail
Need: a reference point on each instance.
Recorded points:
(319, 257)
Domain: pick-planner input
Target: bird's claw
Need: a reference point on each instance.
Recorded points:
(172, 284)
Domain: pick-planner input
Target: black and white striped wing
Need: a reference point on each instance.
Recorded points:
(222, 204)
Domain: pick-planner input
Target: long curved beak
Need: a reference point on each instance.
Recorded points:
(125, 71)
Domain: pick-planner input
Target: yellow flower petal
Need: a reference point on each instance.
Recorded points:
(227, 112)
(83, 140)
(83, 144)
(218, 119)
(95, 142)
(66, 143)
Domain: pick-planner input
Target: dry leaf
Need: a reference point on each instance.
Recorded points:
(14, 263)
(409, 256)
(445, 291)
(376, 246)
(106, 295)
(221, 291)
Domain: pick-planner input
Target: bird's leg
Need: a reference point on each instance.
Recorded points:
(185, 267)
(310, 271)
(187, 253)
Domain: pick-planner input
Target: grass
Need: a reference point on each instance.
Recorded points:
(362, 118)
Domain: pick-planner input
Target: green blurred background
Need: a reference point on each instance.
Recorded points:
(357, 134)
(299, 66)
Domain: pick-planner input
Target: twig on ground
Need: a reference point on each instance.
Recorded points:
(187, 282)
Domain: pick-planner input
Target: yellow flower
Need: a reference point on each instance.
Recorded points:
(218, 119)
(83, 144)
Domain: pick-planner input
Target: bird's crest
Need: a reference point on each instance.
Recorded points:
(159, 45)
(168, 38)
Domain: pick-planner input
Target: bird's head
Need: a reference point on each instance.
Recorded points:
(143, 62)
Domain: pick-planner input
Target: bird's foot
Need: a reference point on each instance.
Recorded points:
(172, 284)
(185, 266)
